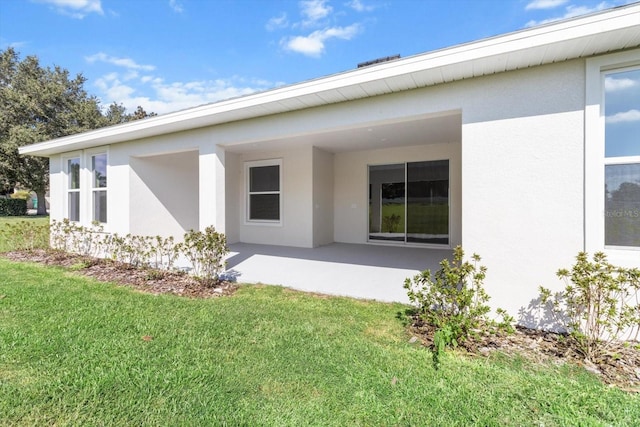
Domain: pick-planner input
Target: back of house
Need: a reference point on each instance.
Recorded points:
(522, 148)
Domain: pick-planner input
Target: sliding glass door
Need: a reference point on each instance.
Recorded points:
(409, 202)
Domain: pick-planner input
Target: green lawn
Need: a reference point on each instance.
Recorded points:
(423, 218)
(72, 353)
(6, 221)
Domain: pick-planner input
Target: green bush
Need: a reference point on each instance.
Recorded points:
(13, 207)
(205, 250)
(599, 305)
(69, 236)
(453, 301)
(206, 253)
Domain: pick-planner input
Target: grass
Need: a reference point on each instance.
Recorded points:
(77, 352)
(422, 217)
(7, 222)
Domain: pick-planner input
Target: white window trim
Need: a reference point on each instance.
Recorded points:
(65, 168)
(86, 185)
(247, 167)
(595, 159)
(91, 190)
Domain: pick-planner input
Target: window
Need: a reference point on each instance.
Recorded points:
(73, 188)
(264, 201)
(612, 156)
(622, 158)
(409, 202)
(99, 187)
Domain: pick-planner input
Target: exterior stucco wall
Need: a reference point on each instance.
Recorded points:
(56, 188)
(165, 165)
(233, 196)
(323, 221)
(164, 194)
(522, 178)
(296, 227)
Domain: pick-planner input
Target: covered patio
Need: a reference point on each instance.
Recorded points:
(355, 270)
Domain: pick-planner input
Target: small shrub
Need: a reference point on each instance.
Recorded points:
(162, 252)
(155, 274)
(13, 207)
(205, 251)
(600, 303)
(453, 301)
(132, 250)
(453, 297)
(390, 223)
(69, 236)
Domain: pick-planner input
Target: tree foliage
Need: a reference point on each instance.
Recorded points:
(41, 103)
(117, 113)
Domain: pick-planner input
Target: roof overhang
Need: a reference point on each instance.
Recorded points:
(599, 33)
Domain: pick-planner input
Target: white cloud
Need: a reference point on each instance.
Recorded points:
(623, 117)
(16, 45)
(314, 43)
(316, 24)
(156, 95)
(572, 11)
(120, 62)
(359, 6)
(315, 10)
(176, 6)
(277, 22)
(75, 8)
(544, 4)
(612, 84)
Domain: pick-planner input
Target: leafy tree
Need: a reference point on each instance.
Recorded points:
(38, 104)
(628, 191)
(117, 113)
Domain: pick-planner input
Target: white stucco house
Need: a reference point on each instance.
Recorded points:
(349, 183)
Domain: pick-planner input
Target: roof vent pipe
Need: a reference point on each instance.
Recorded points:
(378, 61)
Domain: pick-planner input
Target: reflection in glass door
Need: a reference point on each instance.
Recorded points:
(409, 202)
(387, 202)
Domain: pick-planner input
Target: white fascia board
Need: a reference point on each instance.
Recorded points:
(626, 18)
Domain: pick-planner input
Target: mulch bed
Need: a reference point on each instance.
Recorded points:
(620, 367)
(148, 280)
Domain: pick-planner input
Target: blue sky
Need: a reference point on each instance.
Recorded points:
(168, 55)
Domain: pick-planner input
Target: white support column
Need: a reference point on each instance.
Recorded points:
(211, 187)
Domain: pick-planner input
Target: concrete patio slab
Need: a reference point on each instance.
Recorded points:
(360, 271)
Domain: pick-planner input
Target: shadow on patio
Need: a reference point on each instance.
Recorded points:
(361, 271)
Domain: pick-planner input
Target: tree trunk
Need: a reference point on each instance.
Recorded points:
(42, 203)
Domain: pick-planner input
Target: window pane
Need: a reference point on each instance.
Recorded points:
(99, 169)
(100, 206)
(428, 202)
(73, 171)
(73, 206)
(264, 178)
(264, 207)
(387, 202)
(622, 114)
(622, 205)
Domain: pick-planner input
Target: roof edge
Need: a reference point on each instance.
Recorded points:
(201, 116)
